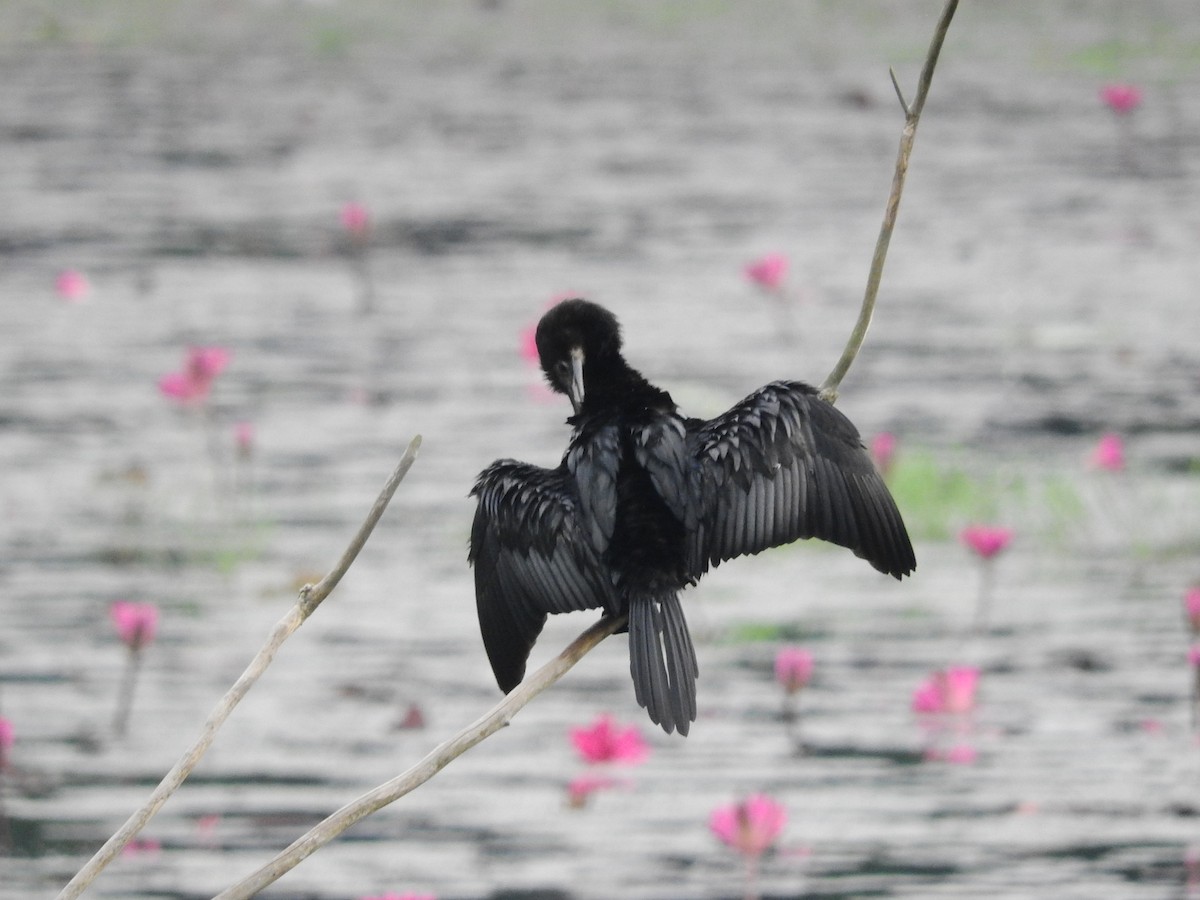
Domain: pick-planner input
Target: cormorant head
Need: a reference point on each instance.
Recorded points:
(571, 333)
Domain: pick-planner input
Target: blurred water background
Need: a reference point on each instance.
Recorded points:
(192, 160)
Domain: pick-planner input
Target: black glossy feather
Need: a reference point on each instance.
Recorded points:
(785, 450)
(662, 662)
(531, 558)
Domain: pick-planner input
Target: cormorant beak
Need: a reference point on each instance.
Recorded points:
(575, 389)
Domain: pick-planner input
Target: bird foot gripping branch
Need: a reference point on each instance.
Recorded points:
(646, 499)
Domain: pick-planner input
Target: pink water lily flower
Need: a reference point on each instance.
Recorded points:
(959, 754)
(142, 847)
(793, 668)
(200, 370)
(1122, 99)
(7, 739)
(604, 742)
(1109, 453)
(750, 826)
(1193, 656)
(243, 438)
(883, 450)
(768, 272)
(986, 540)
(72, 286)
(355, 219)
(927, 698)
(950, 690)
(581, 788)
(413, 718)
(136, 622)
(178, 386)
(1191, 605)
(206, 829)
(206, 363)
(528, 338)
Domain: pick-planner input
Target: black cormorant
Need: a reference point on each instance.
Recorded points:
(646, 499)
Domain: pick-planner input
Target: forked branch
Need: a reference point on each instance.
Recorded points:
(310, 598)
(912, 115)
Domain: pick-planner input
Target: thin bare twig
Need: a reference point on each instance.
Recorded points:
(310, 597)
(433, 762)
(899, 93)
(829, 388)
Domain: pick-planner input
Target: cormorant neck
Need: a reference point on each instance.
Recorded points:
(610, 383)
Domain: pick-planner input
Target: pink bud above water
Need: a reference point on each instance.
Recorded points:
(528, 338)
(142, 847)
(1109, 453)
(581, 788)
(413, 718)
(8, 737)
(355, 219)
(986, 540)
(72, 285)
(1122, 99)
(206, 363)
(793, 668)
(528, 335)
(750, 826)
(605, 742)
(1191, 605)
(178, 387)
(883, 450)
(200, 370)
(768, 272)
(927, 698)
(959, 754)
(951, 690)
(243, 438)
(962, 754)
(206, 829)
(136, 623)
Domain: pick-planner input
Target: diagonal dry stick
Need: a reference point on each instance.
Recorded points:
(436, 760)
(912, 115)
(310, 598)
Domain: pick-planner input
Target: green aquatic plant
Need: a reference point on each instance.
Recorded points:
(752, 632)
(938, 498)
(934, 497)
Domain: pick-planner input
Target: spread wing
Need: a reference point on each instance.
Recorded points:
(531, 558)
(781, 465)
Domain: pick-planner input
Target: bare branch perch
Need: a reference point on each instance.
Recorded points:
(433, 762)
(310, 597)
(829, 388)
